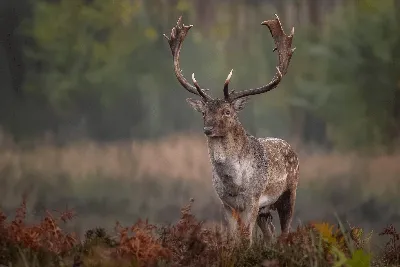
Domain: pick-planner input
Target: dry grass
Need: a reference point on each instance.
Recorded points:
(179, 156)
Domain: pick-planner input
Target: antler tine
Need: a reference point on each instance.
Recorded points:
(178, 34)
(283, 45)
(226, 85)
(198, 88)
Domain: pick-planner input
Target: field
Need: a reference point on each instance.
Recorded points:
(131, 180)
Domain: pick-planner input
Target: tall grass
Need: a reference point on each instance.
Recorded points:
(178, 156)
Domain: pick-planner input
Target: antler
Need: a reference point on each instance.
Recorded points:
(178, 34)
(283, 46)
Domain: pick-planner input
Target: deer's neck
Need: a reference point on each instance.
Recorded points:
(232, 147)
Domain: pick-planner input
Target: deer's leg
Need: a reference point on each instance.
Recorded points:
(249, 218)
(230, 220)
(264, 221)
(285, 208)
(241, 220)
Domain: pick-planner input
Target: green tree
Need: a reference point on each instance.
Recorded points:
(83, 49)
(345, 73)
(363, 74)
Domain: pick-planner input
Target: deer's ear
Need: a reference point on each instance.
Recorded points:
(196, 104)
(239, 103)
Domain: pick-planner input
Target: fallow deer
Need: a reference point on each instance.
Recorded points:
(251, 176)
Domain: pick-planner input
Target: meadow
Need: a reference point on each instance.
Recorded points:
(130, 180)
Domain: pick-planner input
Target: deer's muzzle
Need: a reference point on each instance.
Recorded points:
(208, 130)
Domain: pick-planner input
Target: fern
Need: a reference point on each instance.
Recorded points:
(359, 259)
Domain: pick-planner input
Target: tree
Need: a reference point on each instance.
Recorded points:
(83, 50)
(362, 75)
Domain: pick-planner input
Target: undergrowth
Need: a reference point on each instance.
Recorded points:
(187, 243)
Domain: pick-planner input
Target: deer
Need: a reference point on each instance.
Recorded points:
(251, 176)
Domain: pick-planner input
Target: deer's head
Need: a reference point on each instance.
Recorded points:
(221, 115)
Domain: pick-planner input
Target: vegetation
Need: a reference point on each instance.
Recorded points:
(122, 181)
(186, 243)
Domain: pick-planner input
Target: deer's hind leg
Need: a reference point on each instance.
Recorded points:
(264, 221)
(285, 207)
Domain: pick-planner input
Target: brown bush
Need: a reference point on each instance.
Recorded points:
(138, 242)
(391, 253)
(45, 235)
(186, 243)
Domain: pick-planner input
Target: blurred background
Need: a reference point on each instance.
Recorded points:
(92, 116)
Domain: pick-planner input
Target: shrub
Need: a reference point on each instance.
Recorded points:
(186, 243)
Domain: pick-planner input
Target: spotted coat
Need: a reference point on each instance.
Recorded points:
(253, 176)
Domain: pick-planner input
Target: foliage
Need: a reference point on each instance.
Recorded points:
(44, 239)
(335, 237)
(392, 249)
(82, 46)
(186, 243)
(101, 69)
(361, 46)
(141, 245)
(347, 246)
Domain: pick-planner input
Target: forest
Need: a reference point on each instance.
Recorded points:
(93, 119)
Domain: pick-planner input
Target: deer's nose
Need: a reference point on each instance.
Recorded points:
(207, 130)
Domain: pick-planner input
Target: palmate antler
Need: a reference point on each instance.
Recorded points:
(178, 34)
(283, 45)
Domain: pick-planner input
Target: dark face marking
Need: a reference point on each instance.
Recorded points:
(219, 116)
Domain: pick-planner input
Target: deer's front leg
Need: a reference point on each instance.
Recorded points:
(241, 222)
(231, 220)
(249, 218)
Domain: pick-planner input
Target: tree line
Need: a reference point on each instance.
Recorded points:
(102, 69)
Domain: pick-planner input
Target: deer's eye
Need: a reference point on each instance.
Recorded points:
(227, 112)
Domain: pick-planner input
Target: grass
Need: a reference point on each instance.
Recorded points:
(186, 243)
(175, 157)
